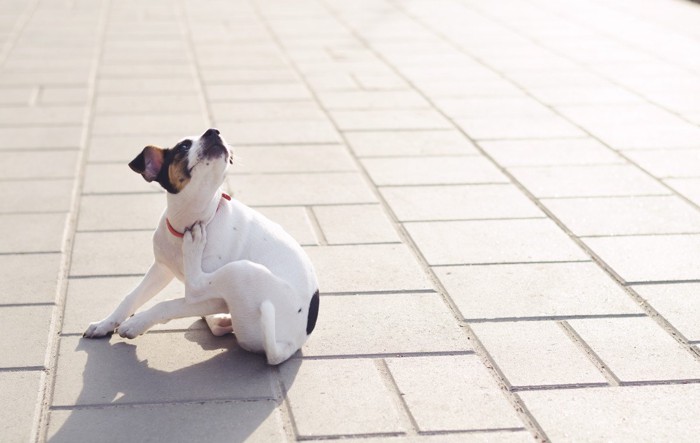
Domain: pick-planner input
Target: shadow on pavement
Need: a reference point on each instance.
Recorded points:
(125, 396)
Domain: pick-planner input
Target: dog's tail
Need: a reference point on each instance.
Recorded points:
(276, 352)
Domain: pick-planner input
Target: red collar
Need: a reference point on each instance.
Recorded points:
(180, 234)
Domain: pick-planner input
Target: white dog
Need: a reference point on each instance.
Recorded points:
(231, 258)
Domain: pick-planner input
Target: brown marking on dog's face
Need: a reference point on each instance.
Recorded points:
(178, 175)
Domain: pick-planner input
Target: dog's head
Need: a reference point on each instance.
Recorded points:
(194, 166)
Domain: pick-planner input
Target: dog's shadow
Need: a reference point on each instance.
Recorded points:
(232, 396)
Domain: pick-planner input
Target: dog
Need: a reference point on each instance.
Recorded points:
(241, 271)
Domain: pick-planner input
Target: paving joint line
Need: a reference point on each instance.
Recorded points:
(551, 318)
(407, 421)
(585, 348)
(316, 226)
(284, 406)
(146, 404)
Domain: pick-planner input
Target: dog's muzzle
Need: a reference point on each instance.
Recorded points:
(213, 145)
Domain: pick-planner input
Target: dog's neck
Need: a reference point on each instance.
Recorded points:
(183, 214)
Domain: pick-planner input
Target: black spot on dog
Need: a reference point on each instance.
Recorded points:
(313, 313)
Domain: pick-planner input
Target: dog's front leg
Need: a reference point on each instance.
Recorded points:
(168, 310)
(157, 277)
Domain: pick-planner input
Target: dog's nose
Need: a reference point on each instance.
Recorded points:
(211, 132)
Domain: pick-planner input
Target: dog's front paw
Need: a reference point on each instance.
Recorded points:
(134, 326)
(101, 328)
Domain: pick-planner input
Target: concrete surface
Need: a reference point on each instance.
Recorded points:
(501, 199)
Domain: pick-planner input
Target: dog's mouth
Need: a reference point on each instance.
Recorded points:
(214, 150)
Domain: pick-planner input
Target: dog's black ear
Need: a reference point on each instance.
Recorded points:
(149, 162)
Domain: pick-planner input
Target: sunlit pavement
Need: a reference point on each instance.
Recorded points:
(500, 198)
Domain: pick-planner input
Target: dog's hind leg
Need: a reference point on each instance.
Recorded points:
(276, 352)
(219, 324)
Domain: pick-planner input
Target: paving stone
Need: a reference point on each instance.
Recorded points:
(63, 96)
(459, 202)
(255, 421)
(493, 241)
(553, 152)
(331, 82)
(145, 86)
(253, 92)
(112, 253)
(39, 115)
(355, 224)
(35, 196)
(407, 143)
(637, 349)
(529, 126)
(491, 87)
(16, 96)
(365, 268)
(242, 75)
(353, 398)
(491, 106)
(587, 181)
(291, 132)
(29, 278)
(536, 353)
(372, 100)
(289, 159)
(375, 324)
(301, 189)
(677, 303)
(534, 290)
(116, 178)
(152, 123)
(656, 413)
(626, 216)
(650, 258)
(432, 170)
(175, 103)
(26, 331)
(294, 220)
(368, 120)
(46, 137)
(466, 398)
(264, 111)
(146, 370)
(587, 95)
(668, 163)
(635, 126)
(32, 232)
(21, 388)
(120, 212)
(92, 299)
(40, 165)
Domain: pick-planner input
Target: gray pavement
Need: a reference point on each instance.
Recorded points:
(501, 198)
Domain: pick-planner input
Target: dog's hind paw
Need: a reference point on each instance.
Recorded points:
(196, 236)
